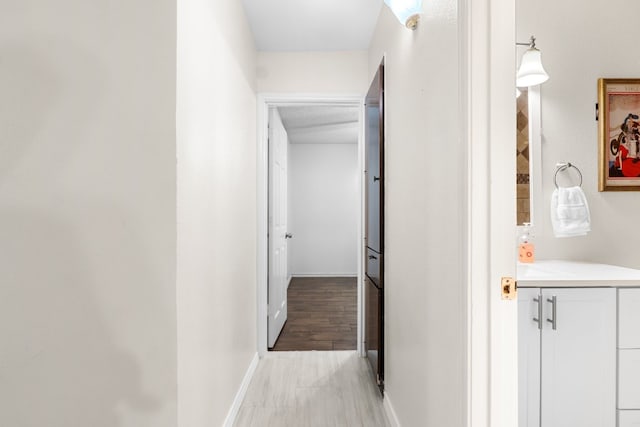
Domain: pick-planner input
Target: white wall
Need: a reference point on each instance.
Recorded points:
(575, 56)
(216, 145)
(312, 72)
(425, 177)
(87, 214)
(324, 205)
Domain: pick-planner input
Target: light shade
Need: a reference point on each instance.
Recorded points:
(531, 72)
(407, 11)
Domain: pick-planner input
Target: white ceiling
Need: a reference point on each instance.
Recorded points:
(297, 25)
(321, 124)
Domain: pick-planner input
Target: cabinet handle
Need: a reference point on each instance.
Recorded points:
(539, 318)
(554, 302)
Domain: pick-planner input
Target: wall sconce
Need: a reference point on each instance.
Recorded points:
(531, 72)
(407, 11)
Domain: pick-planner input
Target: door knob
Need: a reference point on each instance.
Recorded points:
(288, 235)
(373, 257)
(376, 178)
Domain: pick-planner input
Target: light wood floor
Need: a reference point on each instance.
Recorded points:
(312, 389)
(322, 315)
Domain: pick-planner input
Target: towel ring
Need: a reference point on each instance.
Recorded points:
(564, 167)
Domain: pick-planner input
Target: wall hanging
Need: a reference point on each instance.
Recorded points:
(619, 134)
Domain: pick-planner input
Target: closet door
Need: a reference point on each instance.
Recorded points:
(374, 141)
(374, 236)
(578, 358)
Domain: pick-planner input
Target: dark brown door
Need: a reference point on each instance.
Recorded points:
(374, 236)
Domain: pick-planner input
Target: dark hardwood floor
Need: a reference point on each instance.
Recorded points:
(321, 315)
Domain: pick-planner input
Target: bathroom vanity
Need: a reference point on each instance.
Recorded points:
(578, 345)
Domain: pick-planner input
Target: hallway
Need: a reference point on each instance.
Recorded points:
(312, 388)
(132, 187)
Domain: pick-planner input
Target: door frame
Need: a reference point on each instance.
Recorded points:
(488, 61)
(264, 101)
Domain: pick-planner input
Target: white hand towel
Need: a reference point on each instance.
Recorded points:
(570, 212)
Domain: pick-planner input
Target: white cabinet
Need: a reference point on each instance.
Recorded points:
(567, 357)
(629, 318)
(628, 379)
(629, 356)
(629, 419)
(528, 359)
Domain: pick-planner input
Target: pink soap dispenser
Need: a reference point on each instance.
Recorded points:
(526, 248)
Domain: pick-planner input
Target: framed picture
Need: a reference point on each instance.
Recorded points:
(619, 134)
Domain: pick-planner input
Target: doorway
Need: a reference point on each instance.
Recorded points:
(316, 201)
(322, 261)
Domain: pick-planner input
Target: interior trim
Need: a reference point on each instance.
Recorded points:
(264, 101)
(242, 391)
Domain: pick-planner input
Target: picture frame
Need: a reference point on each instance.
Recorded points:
(619, 134)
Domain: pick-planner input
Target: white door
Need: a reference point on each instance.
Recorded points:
(578, 358)
(278, 143)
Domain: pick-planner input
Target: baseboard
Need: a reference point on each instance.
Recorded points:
(242, 391)
(324, 275)
(389, 411)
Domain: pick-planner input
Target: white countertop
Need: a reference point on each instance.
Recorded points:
(548, 273)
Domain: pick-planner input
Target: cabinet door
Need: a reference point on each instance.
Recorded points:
(629, 419)
(629, 379)
(528, 358)
(629, 318)
(578, 358)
